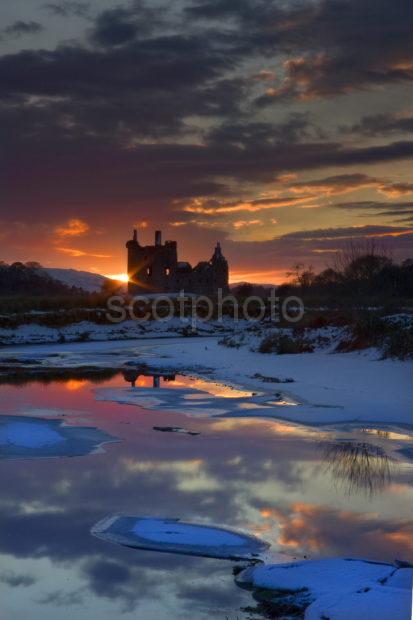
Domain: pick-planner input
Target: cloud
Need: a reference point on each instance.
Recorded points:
(213, 207)
(380, 124)
(373, 205)
(349, 232)
(339, 184)
(122, 24)
(76, 253)
(396, 189)
(246, 223)
(73, 228)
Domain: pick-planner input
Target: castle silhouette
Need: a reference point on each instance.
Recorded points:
(156, 269)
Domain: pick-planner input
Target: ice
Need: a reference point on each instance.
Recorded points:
(185, 534)
(29, 438)
(340, 388)
(175, 536)
(29, 435)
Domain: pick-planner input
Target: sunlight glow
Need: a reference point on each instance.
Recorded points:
(120, 277)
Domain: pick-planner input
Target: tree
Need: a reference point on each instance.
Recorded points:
(301, 275)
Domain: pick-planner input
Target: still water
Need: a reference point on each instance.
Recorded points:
(311, 493)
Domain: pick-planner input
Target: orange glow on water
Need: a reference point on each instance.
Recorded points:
(75, 384)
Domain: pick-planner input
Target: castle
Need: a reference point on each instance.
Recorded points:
(156, 269)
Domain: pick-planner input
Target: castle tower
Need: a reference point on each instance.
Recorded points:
(220, 271)
(151, 267)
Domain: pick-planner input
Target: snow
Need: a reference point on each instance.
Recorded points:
(350, 389)
(184, 534)
(90, 282)
(338, 588)
(29, 435)
(175, 536)
(378, 603)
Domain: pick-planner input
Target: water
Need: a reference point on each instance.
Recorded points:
(310, 492)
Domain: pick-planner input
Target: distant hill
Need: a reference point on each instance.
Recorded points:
(30, 279)
(89, 282)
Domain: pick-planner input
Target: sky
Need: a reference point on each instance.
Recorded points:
(281, 128)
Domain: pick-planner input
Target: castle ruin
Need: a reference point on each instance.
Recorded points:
(156, 269)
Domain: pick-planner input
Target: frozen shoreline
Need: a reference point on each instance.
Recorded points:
(331, 388)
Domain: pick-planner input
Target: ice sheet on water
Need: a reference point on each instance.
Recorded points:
(25, 437)
(175, 536)
(197, 402)
(28, 435)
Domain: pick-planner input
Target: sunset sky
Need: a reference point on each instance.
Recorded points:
(281, 128)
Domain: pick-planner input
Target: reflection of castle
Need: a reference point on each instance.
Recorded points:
(132, 376)
(156, 269)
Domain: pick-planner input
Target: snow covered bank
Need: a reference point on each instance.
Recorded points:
(337, 589)
(83, 331)
(332, 389)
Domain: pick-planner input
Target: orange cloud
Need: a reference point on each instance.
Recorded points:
(73, 228)
(76, 253)
(205, 208)
(243, 223)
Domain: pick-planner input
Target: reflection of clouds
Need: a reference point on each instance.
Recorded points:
(190, 475)
(63, 599)
(358, 467)
(320, 530)
(15, 580)
(238, 467)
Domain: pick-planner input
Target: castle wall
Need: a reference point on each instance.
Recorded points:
(155, 269)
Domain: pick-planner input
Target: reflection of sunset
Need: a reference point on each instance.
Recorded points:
(75, 384)
(403, 538)
(215, 389)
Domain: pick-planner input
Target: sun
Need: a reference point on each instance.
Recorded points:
(120, 277)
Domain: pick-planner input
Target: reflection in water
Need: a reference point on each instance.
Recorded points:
(140, 377)
(247, 474)
(358, 467)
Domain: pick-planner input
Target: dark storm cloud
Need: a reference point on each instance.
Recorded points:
(160, 64)
(122, 24)
(295, 127)
(333, 46)
(20, 28)
(123, 175)
(146, 88)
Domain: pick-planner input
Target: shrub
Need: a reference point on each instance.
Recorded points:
(398, 342)
(283, 344)
(395, 339)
